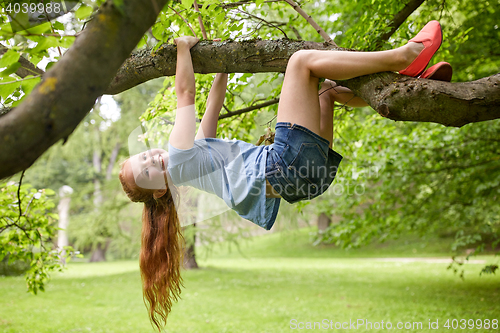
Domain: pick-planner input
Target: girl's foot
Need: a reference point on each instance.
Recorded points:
(441, 71)
(430, 37)
(412, 51)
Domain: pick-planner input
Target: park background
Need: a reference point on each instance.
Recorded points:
(410, 232)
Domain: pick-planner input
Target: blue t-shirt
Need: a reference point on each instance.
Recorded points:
(232, 170)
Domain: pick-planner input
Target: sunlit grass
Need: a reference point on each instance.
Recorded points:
(281, 279)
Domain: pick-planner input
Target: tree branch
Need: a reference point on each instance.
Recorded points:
(69, 89)
(394, 96)
(200, 20)
(264, 21)
(397, 20)
(243, 2)
(185, 21)
(248, 109)
(254, 56)
(311, 21)
(403, 98)
(27, 68)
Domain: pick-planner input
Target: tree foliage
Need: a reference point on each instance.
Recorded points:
(423, 178)
(417, 178)
(27, 226)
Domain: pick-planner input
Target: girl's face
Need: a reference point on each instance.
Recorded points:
(148, 169)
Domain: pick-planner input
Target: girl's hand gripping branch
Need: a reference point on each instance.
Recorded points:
(183, 133)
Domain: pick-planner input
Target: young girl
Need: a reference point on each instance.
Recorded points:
(299, 165)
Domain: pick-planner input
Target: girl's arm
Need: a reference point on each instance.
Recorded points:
(208, 126)
(182, 136)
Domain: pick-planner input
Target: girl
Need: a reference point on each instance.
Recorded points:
(299, 165)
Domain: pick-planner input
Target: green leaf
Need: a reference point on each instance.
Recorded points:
(157, 46)
(49, 191)
(46, 43)
(83, 12)
(11, 69)
(220, 18)
(49, 65)
(157, 31)
(141, 43)
(58, 25)
(9, 58)
(7, 88)
(28, 85)
(66, 42)
(40, 29)
(187, 3)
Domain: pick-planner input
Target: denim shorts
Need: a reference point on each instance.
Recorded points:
(300, 165)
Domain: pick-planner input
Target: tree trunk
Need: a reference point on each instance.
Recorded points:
(69, 89)
(323, 222)
(190, 257)
(63, 211)
(112, 160)
(99, 254)
(189, 251)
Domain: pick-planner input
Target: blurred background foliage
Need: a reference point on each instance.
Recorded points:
(395, 179)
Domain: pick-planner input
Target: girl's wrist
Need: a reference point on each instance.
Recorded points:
(182, 45)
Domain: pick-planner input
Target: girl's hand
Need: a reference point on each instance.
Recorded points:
(190, 41)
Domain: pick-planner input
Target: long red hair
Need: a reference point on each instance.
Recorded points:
(162, 249)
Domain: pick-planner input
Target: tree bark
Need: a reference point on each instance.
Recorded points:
(69, 89)
(255, 56)
(403, 98)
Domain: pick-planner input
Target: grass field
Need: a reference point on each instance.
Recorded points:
(281, 282)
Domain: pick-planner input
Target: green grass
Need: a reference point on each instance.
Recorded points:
(298, 244)
(282, 278)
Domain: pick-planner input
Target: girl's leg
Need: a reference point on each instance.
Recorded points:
(330, 93)
(299, 103)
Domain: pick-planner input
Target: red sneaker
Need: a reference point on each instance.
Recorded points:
(441, 71)
(432, 37)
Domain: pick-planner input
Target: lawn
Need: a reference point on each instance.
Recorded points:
(281, 283)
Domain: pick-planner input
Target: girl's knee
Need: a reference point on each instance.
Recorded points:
(300, 58)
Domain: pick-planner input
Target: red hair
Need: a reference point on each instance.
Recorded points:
(162, 249)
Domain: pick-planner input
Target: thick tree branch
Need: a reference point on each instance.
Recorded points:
(395, 96)
(404, 98)
(255, 56)
(69, 89)
(397, 20)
